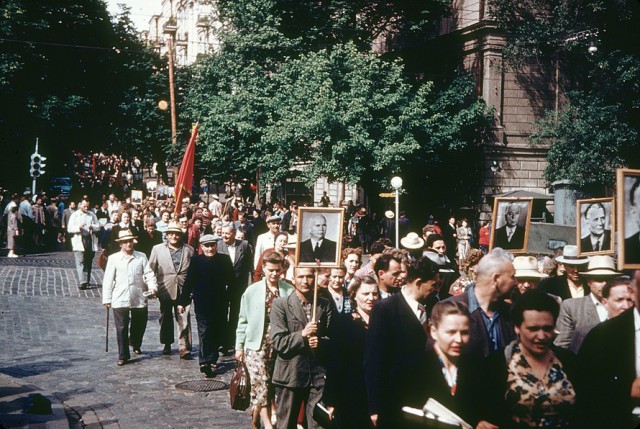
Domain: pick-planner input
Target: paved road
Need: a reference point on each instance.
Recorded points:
(52, 335)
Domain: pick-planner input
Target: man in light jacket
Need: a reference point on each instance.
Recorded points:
(83, 224)
(128, 280)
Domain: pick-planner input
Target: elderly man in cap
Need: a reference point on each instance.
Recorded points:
(582, 314)
(128, 280)
(170, 262)
(571, 284)
(267, 240)
(208, 277)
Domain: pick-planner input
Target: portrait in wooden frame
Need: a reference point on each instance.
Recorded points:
(628, 209)
(136, 197)
(322, 227)
(595, 223)
(510, 226)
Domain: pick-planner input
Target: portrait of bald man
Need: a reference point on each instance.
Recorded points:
(317, 248)
(510, 234)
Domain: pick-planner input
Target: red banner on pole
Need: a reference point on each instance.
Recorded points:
(184, 182)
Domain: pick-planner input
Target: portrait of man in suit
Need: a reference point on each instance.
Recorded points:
(317, 226)
(594, 235)
(510, 232)
(632, 217)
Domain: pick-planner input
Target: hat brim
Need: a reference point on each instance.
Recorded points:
(530, 274)
(174, 231)
(127, 238)
(413, 246)
(579, 261)
(601, 272)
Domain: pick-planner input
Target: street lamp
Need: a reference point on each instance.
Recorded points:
(396, 183)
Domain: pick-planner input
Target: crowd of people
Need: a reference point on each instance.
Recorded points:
(501, 341)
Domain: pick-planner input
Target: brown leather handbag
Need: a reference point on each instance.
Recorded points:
(102, 260)
(240, 388)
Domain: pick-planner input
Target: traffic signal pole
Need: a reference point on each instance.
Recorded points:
(37, 166)
(33, 176)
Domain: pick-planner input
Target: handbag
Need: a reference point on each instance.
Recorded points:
(102, 260)
(240, 388)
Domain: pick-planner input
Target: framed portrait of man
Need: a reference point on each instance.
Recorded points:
(319, 236)
(628, 201)
(136, 197)
(595, 221)
(510, 227)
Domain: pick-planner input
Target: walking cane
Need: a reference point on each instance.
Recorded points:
(106, 348)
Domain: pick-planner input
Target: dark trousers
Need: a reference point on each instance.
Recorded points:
(288, 403)
(235, 295)
(122, 317)
(169, 312)
(210, 333)
(84, 262)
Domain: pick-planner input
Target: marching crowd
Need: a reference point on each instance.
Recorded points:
(502, 342)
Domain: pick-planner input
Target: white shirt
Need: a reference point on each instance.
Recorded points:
(415, 305)
(576, 292)
(602, 312)
(126, 278)
(232, 251)
(510, 231)
(636, 324)
(265, 241)
(595, 241)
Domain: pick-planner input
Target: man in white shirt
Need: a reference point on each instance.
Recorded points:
(582, 314)
(83, 224)
(128, 280)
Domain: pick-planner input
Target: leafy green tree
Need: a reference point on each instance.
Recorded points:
(597, 130)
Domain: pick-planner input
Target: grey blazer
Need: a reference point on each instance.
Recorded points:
(576, 314)
(297, 365)
(170, 280)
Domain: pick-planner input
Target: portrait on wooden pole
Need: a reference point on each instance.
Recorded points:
(628, 188)
(319, 236)
(595, 220)
(510, 229)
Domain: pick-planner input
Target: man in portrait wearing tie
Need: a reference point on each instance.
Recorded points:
(599, 238)
(511, 235)
(318, 248)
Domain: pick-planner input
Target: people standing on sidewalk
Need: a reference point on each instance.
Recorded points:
(170, 261)
(128, 278)
(13, 231)
(208, 277)
(83, 224)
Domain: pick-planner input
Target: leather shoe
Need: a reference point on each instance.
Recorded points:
(185, 354)
(83, 286)
(137, 351)
(121, 362)
(207, 371)
(166, 350)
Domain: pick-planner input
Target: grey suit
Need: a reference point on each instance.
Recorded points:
(242, 267)
(576, 315)
(299, 370)
(170, 280)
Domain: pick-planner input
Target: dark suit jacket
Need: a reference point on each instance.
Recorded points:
(207, 281)
(586, 246)
(632, 249)
(298, 365)
(146, 241)
(479, 345)
(558, 286)
(394, 360)
(327, 252)
(517, 239)
(243, 262)
(607, 362)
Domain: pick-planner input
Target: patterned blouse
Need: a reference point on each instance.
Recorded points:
(535, 403)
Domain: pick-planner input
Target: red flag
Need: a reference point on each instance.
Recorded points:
(184, 182)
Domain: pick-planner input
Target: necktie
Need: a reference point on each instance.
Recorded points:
(422, 316)
(316, 251)
(598, 246)
(510, 235)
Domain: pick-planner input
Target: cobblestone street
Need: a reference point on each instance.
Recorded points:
(52, 336)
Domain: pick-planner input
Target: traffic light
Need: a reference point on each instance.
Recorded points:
(37, 165)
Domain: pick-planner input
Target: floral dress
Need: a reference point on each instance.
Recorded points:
(260, 362)
(535, 403)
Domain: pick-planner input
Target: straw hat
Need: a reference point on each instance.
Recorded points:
(173, 227)
(215, 196)
(601, 266)
(125, 235)
(412, 241)
(209, 238)
(527, 267)
(570, 256)
(389, 214)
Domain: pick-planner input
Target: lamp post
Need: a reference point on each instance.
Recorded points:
(396, 183)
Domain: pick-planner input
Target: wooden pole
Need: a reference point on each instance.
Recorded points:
(172, 98)
(315, 296)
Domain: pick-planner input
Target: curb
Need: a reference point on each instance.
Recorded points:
(16, 398)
